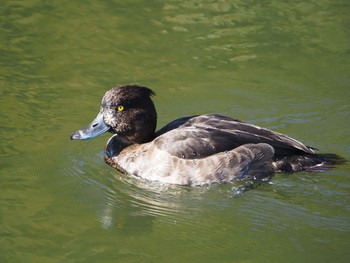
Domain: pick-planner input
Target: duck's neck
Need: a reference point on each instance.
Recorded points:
(144, 124)
(115, 145)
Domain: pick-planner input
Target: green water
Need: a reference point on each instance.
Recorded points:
(282, 65)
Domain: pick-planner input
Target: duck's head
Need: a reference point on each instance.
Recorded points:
(127, 111)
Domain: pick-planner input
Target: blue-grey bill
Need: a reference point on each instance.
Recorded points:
(95, 128)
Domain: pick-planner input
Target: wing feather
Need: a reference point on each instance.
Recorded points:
(201, 136)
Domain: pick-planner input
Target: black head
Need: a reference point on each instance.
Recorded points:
(127, 111)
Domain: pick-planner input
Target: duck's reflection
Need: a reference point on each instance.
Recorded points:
(132, 204)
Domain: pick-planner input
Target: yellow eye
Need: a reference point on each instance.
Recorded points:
(120, 108)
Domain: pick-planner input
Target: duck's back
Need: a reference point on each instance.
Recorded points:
(201, 136)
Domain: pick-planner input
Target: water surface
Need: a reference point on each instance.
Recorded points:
(284, 66)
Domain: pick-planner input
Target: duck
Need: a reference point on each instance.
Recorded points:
(195, 150)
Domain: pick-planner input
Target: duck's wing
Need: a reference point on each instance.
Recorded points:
(201, 136)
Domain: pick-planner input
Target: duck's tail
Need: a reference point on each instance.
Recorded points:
(307, 162)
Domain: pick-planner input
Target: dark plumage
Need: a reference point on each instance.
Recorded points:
(194, 150)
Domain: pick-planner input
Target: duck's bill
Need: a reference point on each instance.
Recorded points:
(95, 128)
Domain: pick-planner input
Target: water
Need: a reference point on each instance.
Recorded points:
(280, 65)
